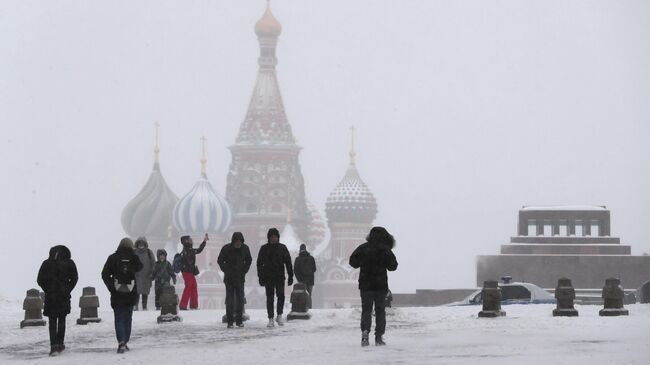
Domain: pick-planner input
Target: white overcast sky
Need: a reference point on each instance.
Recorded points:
(465, 111)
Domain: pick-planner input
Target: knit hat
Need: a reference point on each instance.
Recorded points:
(303, 247)
(161, 252)
(184, 239)
(273, 232)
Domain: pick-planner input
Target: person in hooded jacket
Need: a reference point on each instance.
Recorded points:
(57, 277)
(235, 261)
(272, 259)
(189, 271)
(304, 267)
(143, 277)
(374, 257)
(118, 275)
(163, 273)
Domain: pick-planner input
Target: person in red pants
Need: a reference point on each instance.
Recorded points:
(190, 270)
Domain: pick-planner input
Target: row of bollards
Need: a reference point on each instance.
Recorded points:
(89, 304)
(613, 297)
(33, 306)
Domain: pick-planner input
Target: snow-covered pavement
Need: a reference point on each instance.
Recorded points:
(438, 335)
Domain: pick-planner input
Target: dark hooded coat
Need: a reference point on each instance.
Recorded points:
(143, 277)
(235, 262)
(122, 266)
(189, 257)
(163, 272)
(57, 277)
(374, 258)
(271, 262)
(304, 268)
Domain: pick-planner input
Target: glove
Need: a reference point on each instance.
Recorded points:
(290, 281)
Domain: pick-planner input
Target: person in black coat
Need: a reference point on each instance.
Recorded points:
(235, 261)
(163, 273)
(57, 277)
(271, 262)
(304, 267)
(118, 275)
(374, 257)
(189, 271)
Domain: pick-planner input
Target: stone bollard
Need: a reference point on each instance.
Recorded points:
(491, 297)
(244, 317)
(33, 306)
(299, 303)
(168, 305)
(88, 302)
(565, 294)
(613, 295)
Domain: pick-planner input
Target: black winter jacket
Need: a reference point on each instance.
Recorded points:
(189, 257)
(304, 268)
(271, 262)
(235, 263)
(126, 259)
(57, 277)
(374, 260)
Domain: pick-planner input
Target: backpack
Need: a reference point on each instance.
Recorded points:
(178, 263)
(123, 277)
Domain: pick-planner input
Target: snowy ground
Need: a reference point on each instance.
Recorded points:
(439, 335)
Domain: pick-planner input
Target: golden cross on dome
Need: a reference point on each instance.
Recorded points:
(156, 149)
(353, 155)
(203, 158)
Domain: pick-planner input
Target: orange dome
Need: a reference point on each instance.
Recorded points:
(268, 26)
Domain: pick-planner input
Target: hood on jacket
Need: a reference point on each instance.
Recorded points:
(272, 232)
(59, 252)
(141, 242)
(237, 236)
(160, 252)
(380, 236)
(125, 245)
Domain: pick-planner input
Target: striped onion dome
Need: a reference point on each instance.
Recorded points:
(150, 212)
(351, 201)
(202, 210)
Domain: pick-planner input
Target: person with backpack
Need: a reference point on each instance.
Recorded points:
(190, 271)
(304, 267)
(162, 274)
(374, 257)
(57, 277)
(272, 259)
(235, 261)
(118, 275)
(143, 277)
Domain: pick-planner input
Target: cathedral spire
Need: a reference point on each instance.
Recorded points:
(156, 150)
(353, 154)
(204, 160)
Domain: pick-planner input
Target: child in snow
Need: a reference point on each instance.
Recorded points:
(162, 273)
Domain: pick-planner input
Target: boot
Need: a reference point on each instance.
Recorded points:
(271, 324)
(279, 320)
(121, 347)
(364, 339)
(61, 347)
(54, 350)
(379, 341)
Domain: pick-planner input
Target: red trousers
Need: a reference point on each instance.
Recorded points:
(190, 292)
